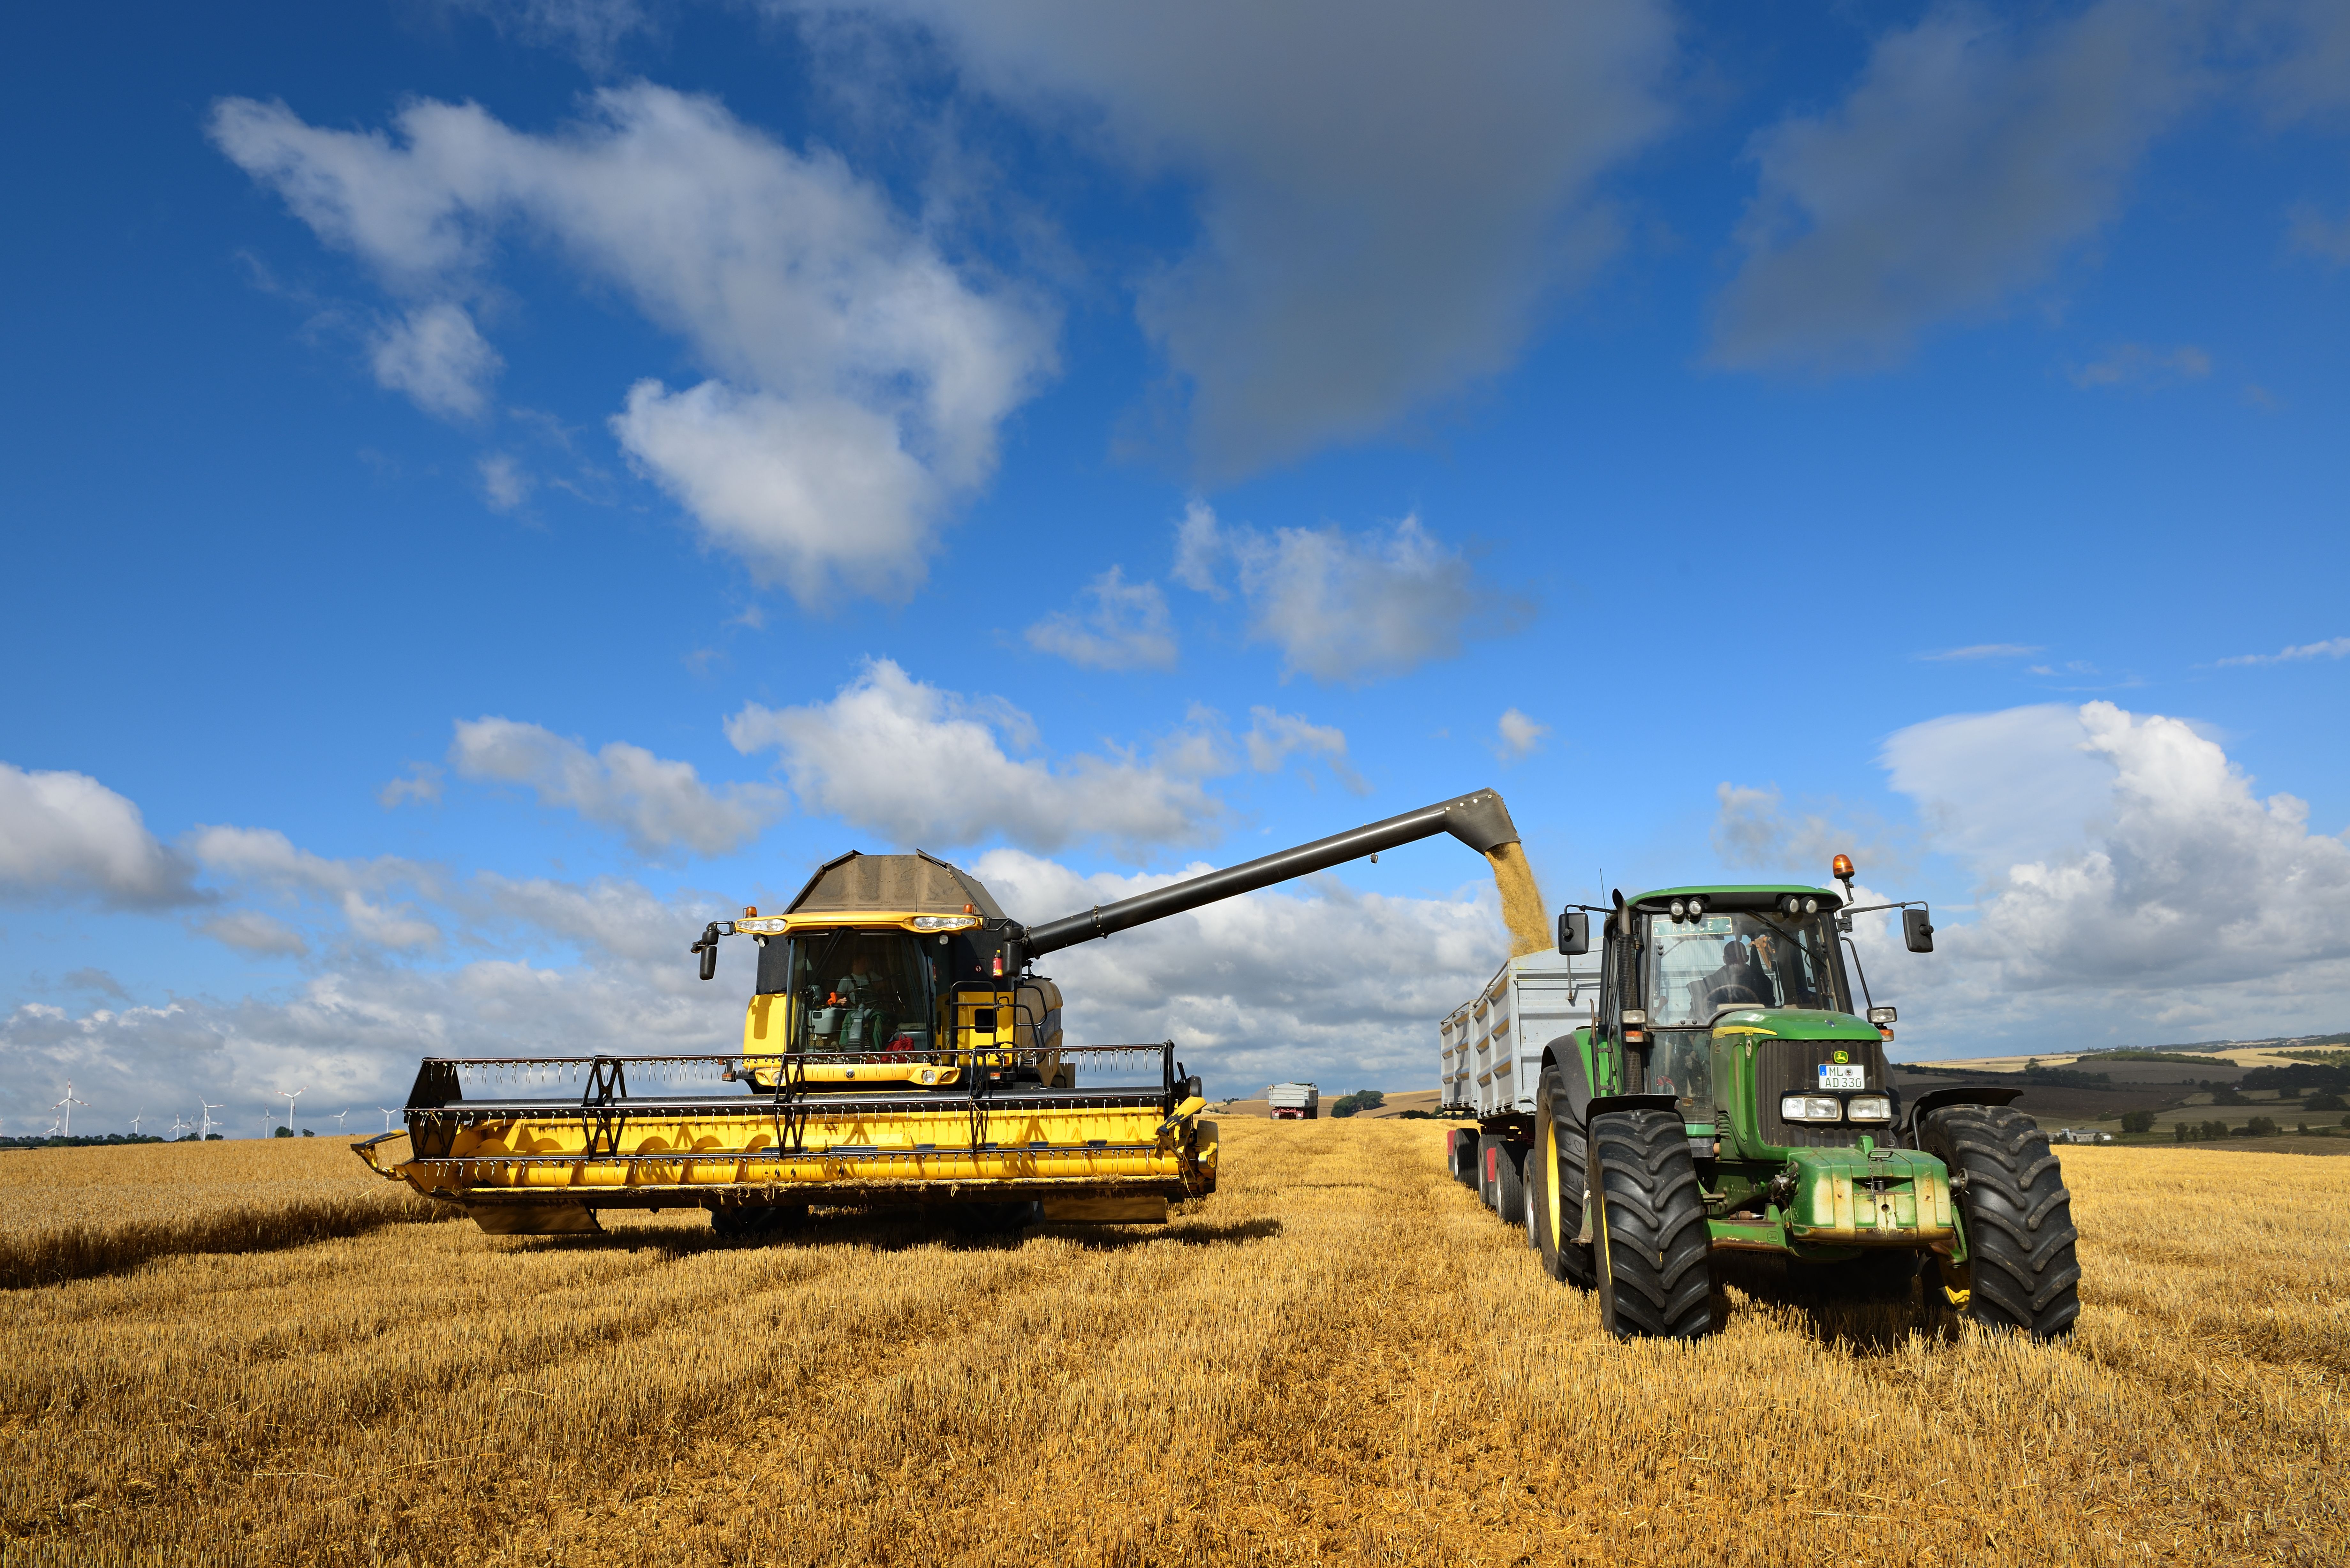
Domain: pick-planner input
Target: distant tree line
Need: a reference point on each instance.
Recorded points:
(1360, 1100)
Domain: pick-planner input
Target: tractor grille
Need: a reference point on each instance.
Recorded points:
(1792, 1067)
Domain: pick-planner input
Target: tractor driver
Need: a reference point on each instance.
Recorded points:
(1738, 983)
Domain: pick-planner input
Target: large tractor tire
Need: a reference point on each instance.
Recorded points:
(1510, 1181)
(2018, 1216)
(1656, 1276)
(1560, 1150)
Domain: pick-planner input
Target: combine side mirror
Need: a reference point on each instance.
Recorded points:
(1574, 933)
(708, 947)
(1917, 932)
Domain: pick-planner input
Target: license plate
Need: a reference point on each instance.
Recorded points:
(1842, 1075)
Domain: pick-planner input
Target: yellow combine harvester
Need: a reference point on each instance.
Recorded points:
(898, 1048)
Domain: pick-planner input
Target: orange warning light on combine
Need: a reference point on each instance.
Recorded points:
(751, 912)
(969, 910)
(1842, 867)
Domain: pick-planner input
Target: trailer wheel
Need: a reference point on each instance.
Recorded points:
(1656, 1276)
(1486, 1144)
(1461, 1152)
(1510, 1181)
(2018, 1216)
(1559, 1151)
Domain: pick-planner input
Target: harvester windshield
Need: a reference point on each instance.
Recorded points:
(856, 990)
(1698, 967)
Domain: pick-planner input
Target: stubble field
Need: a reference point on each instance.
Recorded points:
(1338, 1358)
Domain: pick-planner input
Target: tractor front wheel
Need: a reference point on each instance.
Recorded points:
(1656, 1275)
(2018, 1216)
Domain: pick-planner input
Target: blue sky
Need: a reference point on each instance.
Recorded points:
(492, 486)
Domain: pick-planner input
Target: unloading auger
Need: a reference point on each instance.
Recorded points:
(899, 1047)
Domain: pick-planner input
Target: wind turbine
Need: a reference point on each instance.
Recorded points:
(289, 1096)
(337, 1118)
(67, 1105)
(208, 1118)
(137, 1120)
(387, 1115)
(179, 1128)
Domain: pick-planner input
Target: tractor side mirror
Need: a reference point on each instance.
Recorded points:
(1917, 932)
(1574, 933)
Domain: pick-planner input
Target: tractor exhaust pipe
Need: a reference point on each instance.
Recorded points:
(1480, 821)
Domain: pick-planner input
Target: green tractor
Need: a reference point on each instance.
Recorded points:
(1731, 1095)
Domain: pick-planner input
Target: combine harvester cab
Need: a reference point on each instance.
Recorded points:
(1730, 1094)
(897, 1049)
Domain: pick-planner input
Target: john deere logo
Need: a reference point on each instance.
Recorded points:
(1843, 1055)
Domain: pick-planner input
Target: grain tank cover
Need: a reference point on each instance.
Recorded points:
(916, 883)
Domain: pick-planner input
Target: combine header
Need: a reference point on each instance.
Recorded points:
(898, 1048)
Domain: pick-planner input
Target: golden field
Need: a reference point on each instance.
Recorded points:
(1339, 1357)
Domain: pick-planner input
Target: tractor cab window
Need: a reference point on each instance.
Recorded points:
(1700, 967)
(855, 991)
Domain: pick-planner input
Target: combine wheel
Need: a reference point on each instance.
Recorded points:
(1510, 1181)
(2018, 1217)
(1558, 1154)
(755, 1221)
(1656, 1278)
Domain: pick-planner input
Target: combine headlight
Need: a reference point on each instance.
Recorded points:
(1870, 1108)
(770, 927)
(1810, 1108)
(944, 922)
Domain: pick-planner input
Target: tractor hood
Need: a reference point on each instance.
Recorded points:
(1793, 1024)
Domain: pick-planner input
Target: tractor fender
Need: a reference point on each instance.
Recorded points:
(1955, 1095)
(1562, 1055)
(1606, 1103)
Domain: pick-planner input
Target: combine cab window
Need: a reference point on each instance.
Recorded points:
(856, 990)
(1699, 969)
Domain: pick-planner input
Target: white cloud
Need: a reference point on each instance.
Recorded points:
(922, 766)
(1983, 650)
(1970, 156)
(1343, 607)
(2136, 365)
(423, 783)
(860, 379)
(1387, 192)
(592, 31)
(1269, 986)
(266, 857)
(2332, 647)
(662, 806)
(505, 484)
(434, 355)
(1273, 737)
(66, 833)
(250, 932)
(1754, 827)
(1520, 736)
(2178, 899)
(1127, 628)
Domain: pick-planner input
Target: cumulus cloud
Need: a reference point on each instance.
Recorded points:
(1126, 626)
(591, 31)
(2131, 878)
(2332, 647)
(922, 766)
(423, 783)
(435, 355)
(267, 857)
(1518, 735)
(1753, 826)
(662, 806)
(250, 932)
(505, 484)
(859, 379)
(2136, 365)
(1271, 985)
(1387, 193)
(66, 834)
(1343, 607)
(1273, 738)
(1972, 153)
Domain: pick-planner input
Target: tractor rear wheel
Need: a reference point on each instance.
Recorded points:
(1560, 1150)
(1656, 1275)
(2018, 1216)
(1510, 1181)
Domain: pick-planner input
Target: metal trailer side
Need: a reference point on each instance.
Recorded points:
(1490, 1055)
(1294, 1102)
